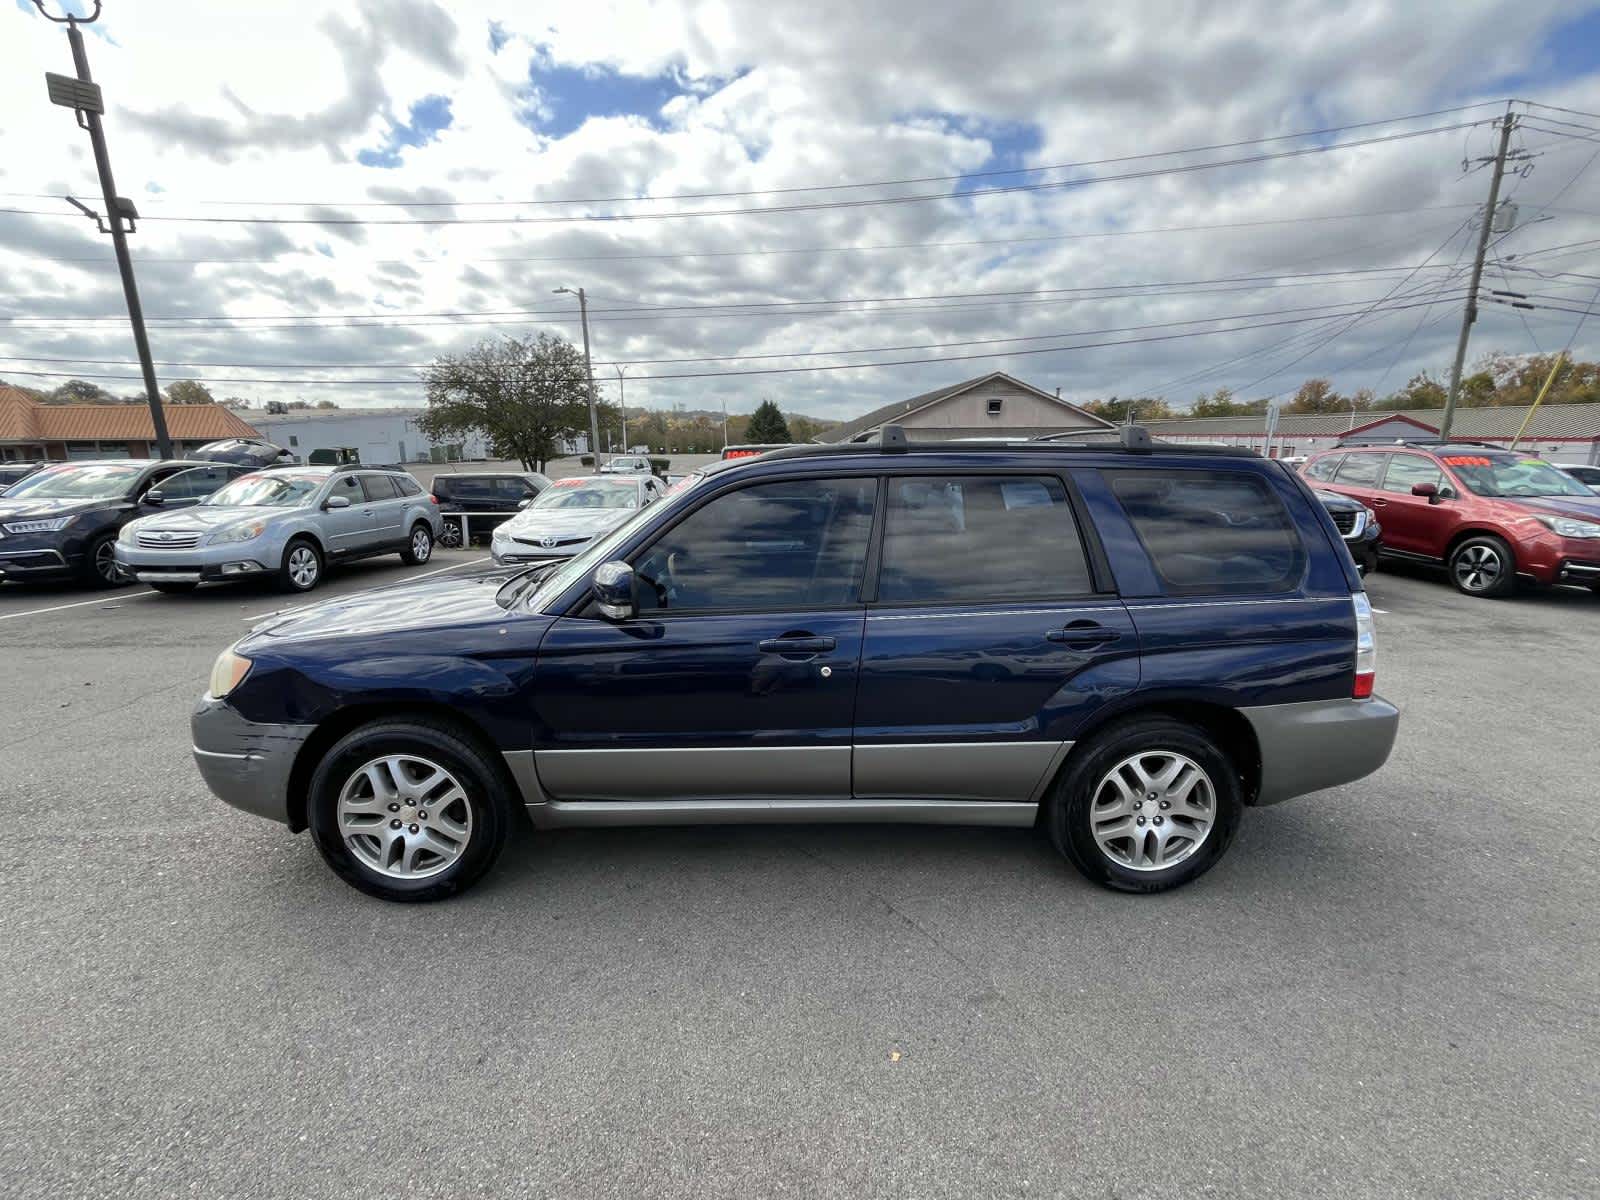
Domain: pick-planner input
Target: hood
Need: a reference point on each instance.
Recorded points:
(201, 516)
(427, 604)
(22, 508)
(566, 522)
(1581, 508)
(1334, 502)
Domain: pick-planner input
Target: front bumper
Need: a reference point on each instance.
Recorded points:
(40, 555)
(245, 764)
(1318, 744)
(197, 564)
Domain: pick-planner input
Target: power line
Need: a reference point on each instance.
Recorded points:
(800, 370)
(348, 366)
(815, 206)
(741, 307)
(992, 173)
(1058, 237)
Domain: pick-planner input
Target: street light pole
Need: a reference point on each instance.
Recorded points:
(86, 100)
(588, 370)
(622, 398)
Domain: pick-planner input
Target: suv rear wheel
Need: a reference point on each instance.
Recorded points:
(408, 810)
(1151, 803)
(1483, 566)
(420, 548)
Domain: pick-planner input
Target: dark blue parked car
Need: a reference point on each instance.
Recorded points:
(1124, 644)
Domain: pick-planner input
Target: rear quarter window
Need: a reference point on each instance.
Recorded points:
(1212, 532)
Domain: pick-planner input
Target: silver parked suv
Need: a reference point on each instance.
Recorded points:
(289, 523)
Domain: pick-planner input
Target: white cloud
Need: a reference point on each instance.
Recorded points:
(250, 103)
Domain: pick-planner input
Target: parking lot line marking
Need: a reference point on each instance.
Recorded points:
(34, 612)
(276, 612)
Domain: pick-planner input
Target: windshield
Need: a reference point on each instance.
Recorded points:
(278, 490)
(1512, 477)
(102, 481)
(581, 565)
(589, 493)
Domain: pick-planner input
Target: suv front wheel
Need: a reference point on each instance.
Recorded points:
(408, 810)
(1151, 803)
(1483, 566)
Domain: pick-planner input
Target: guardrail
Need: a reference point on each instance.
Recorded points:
(464, 520)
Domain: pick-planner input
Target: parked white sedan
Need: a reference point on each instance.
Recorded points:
(571, 513)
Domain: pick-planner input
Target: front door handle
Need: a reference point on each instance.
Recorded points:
(1083, 633)
(1378, 502)
(797, 644)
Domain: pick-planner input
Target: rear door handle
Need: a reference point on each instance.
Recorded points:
(1377, 503)
(1083, 633)
(797, 644)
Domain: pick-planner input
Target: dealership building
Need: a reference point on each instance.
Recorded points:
(31, 431)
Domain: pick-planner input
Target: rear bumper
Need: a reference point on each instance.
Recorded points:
(1320, 744)
(245, 764)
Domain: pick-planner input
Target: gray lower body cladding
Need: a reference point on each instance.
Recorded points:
(1320, 744)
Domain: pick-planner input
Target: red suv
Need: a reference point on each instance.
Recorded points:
(1487, 513)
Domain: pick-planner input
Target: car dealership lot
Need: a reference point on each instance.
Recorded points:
(1384, 990)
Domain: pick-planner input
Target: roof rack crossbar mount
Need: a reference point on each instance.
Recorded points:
(1136, 439)
(892, 440)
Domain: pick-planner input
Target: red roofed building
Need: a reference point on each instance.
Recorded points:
(30, 431)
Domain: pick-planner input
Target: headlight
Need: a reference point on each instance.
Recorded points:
(227, 673)
(236, 533)
(129, 534)
(501, 534)
(42, 525)
(1565, 526)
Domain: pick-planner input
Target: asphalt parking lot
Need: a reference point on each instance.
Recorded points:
(1384, 990)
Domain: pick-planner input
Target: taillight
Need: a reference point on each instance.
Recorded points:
(1366, 648)
(432, 497)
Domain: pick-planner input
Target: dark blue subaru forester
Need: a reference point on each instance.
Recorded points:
(1127, 644)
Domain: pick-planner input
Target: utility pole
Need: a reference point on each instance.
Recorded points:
(622, 395)
(1507, 124)
(588, 370)
(86, 99)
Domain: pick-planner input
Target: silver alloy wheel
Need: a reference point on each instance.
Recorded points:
(303, 566)
(1153, 810)
(1478, 568)
(450, 535)
(421, 544)
(404, 816)
(105, 561)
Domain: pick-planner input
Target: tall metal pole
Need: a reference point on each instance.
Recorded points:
(594, 419)
(622, 393)
(1507, 124)
(119, 237)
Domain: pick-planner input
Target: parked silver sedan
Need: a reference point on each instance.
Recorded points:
(571, 513)
(286, 523)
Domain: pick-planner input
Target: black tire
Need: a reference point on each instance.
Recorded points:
(1071, 804)
(450, 534)
(484, 790)
(419, 545)
(294, 574)
(99, 569)
(1483, 566)
(175, 589)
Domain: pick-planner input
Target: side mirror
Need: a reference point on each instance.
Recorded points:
(1430, 490)
(154, 496)
(521, 504)
(616, 591)
(336, 502)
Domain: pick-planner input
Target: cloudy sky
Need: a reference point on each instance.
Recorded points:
(337, 193)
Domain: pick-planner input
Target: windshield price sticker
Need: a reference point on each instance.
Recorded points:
(1468, 460)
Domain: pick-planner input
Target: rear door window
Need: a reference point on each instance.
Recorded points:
(1360, 470)
(977, 539)
(1212, 532)
(379, 487)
